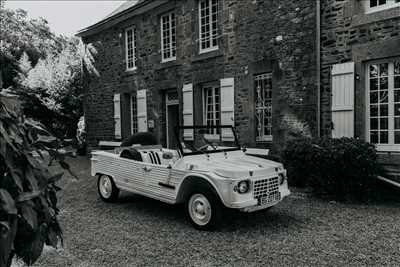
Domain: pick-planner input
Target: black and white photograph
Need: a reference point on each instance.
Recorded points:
(199, 133)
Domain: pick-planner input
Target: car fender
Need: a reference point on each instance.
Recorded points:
(192, 180)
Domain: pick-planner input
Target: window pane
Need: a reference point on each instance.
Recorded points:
(397, 65)
(383, 96)
(383, 110)
(397, 137)
(373, 71)
(383, 83)
(373, 84)
(383, 124)
(384, 137)
(396, 81)
(397, 96)
(382, 2)
(397, 123)
(397, 109)
(373, 97)
(383, 69)
(373, 110)
(374, 124)
(374, 137)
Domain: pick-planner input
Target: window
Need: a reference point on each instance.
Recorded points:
(168, 37)
(130, 43)
(212, 108)
(208, 25)
(134, 123)
(263, 93)
(377, 5)
(383, 85)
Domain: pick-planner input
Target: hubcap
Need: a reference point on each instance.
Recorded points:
(199, 209)
(105, 186)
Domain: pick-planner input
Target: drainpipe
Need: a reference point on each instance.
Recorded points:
(318, 73)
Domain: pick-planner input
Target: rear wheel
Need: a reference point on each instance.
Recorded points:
(107, 189)
(204, 210)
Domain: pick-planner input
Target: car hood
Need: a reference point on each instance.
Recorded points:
(230, 165)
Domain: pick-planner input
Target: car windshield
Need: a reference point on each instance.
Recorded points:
(194, 140)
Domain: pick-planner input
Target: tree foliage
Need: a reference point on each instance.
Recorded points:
(28, 201)
(46, 69)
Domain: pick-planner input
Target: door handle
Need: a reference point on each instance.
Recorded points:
(146, 169)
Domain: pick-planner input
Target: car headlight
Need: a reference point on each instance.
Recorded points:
(281, 179)
(243, 187)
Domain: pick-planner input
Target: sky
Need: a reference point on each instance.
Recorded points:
(66, 17)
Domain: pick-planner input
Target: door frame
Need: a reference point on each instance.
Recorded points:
(169, 102)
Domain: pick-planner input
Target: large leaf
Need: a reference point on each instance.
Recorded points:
(25, 196)
(29, 215)
(7, 203)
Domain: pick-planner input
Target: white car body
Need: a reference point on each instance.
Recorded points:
(166, 178)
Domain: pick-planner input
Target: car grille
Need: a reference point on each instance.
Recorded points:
(266, 190)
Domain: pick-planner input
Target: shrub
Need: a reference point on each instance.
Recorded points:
(341, 168)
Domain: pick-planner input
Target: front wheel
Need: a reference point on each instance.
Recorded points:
(107, 189)
(204, 210)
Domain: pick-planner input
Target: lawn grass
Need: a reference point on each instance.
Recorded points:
(301, 230)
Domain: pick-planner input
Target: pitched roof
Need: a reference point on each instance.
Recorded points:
(123, 8)
(126, 5)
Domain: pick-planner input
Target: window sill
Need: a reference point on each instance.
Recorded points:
(375, 16)
(168, 60)
(388, 148)
(206, 56)
(208, 50)
(131, 70)
(265, 139)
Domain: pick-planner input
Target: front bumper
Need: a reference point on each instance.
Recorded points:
(253, 205)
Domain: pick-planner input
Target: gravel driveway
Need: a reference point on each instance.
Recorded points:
(139, 231)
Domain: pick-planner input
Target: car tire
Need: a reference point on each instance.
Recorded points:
(106, 188)
(204, 210)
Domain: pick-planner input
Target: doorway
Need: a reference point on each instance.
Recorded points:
(172, 116)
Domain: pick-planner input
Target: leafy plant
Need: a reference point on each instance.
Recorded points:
(28, 190)
(342, 168)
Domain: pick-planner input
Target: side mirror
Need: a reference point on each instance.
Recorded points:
(167, 155)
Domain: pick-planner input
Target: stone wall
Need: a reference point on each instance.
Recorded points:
(256, 36)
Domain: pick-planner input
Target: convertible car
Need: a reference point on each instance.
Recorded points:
(209, 172)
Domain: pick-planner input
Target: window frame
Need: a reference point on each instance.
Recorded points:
(263, 137)
(389, 4)
(211, 48)
(391, 146)
(216, 133)
(172, 48)
(134, 49)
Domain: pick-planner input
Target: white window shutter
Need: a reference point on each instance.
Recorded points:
(343, 100)
(227, 107)
(141, 110)
(117, 116)
(187, 95)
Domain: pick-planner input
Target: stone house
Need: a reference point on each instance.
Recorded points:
(274, 69)
(247, 63)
